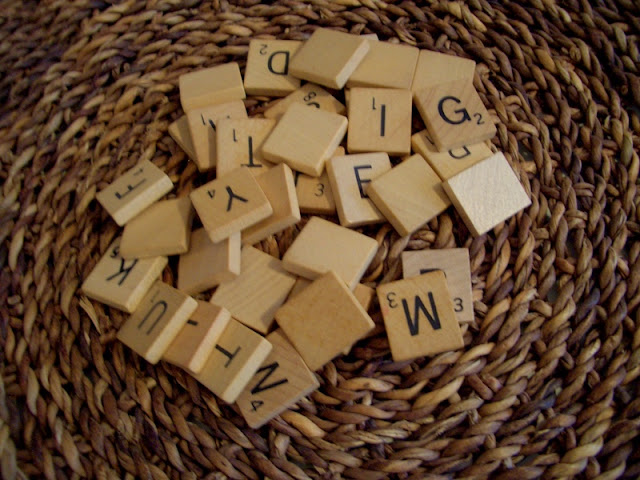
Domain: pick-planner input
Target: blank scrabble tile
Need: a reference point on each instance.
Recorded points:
(299, 286)
(234, 361)
(179, 131)
(323, 320)
(486, 194)
(454, 262)
(277, 184)
(157, 321)
(239, 144)
(379, 121)
(262, 286)
(363, 293)
(350, 175)
(162, 229)
(305, 138)
(208, 264)
(280, 382)
(230, 203)
(386, 65)
(419, 317)
(122, 283)
(322, 246)
(450, 162)
(309, 94)
(203, 124)
(210, 86)
(329, 57)
(409, 195)
(134, 191)
(197, 339)
(267, 71)
(434, 68)
(454, 115)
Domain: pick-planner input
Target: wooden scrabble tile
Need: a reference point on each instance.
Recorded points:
(203, 123)
(157, 321)
(322, 246)
(314, 193)
(179, 131)
(267, 71)
(450, 162)
(277, 184)
(304, 138)
(379, 121)
(210, 86)
(454, 262)
(281, 381)
(134, 191)
(434, 68)
(486, 194)
(409, 195)
(323, 320)
(299, 286)
(208, 264)
(329, 57)
(239, 144)
(386, 65)
(369, 36)
(234, 360)
(309, 94)
(419, 317)
(254, 296)
(122, 283)
(197, 339)
(162, 229)
(364, 295)
(454, 115)
(350, 176)
(230, 203)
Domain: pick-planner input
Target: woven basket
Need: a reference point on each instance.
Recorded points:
(547, 384)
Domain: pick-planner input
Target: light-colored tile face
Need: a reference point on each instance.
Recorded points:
(122, 283)
(210, 86)
(305, 138)
(329, 57)
(179, 131)
(267, 71)
(234, 360)
(309, 94)
(419, 316)
(486, 194)
(162, 229)
(315, 195)
(230, 203)
(323, 246)
(454, 262)
(190, 349)
(350, 176)
(239, 144)
(254, 296)
(379, 121)
(409, 195)
(386, 65)
(157, 321)
(134, 191)
(281, 381)
(203, 125)
(208, 264)
(450, 162)
(454, 115)
(434, 68)
(323, 320)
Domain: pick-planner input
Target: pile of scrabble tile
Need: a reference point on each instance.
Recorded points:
(288, 161)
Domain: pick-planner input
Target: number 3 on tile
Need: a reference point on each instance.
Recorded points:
(383, 114)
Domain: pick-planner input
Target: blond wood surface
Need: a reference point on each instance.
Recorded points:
(419, 317)
(239, 144)
(281, 381)
(179, 131)
(157, 321)
(309, 94)
(434, 68)
(134, 191)
(314, 194)
(363, 293)
(386, 65)
(262, 286)
(122, 283)
(267, 71)
(210, 86)
(323, 320)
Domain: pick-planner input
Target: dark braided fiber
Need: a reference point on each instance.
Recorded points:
(547, 384)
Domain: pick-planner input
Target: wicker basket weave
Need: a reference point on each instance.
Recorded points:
(547, 385)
